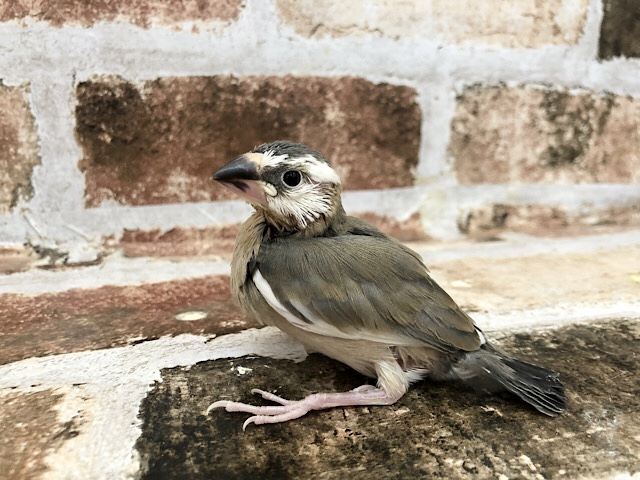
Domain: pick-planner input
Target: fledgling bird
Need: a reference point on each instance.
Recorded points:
(345, 289)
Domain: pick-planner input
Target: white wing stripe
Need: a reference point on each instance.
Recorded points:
(319, 326)
(265, 289)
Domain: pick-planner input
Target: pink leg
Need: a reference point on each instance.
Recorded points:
(289, 410)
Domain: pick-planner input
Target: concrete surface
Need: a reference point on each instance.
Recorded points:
(436, 430)
(125, 395)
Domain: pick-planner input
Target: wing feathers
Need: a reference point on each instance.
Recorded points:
(361, 287)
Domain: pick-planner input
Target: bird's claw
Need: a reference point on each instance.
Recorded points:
(218, 404)
(292, 409)
(287, 410)
(230, 406)
(248, 422)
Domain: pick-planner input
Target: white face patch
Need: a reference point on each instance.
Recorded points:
(318, 171)
(305, 203)
(271, 160)
(308, 201)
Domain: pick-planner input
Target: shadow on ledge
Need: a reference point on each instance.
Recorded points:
(436, 430)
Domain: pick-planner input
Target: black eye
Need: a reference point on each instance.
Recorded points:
(292, 178)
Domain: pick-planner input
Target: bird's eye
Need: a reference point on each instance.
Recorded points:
(292, 178)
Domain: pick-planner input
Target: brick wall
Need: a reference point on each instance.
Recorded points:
(444, 118)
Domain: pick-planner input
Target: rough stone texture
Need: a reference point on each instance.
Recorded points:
(523, 134)
(160, 142)
(18, 146)
(542, 220)
(515, 24)
(138, 12)
(82, 319)
(620, 29)
(219, 241)
(30, 428)
(436, 430)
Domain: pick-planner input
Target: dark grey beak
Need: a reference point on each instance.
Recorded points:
(242, 168)
(242, 177)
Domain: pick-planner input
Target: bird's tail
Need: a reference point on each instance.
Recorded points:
(489, 369)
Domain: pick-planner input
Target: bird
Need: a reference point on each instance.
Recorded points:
(345, 289)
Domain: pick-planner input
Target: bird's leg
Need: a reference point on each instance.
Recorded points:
(289, 410)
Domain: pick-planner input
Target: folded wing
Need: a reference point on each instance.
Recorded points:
(361, 287)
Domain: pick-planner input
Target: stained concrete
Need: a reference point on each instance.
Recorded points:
(436, 430)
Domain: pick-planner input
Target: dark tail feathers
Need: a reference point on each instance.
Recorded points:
(489, 369)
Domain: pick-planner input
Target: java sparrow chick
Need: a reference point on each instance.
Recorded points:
(345, 289)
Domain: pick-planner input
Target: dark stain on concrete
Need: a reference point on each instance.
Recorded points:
(620, 29)
(114, 127)
(437, 430)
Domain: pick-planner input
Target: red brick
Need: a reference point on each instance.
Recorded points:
(138, 12)
(16, 259)
(161, 142)
(507, 23)
(219, 241)
(620, 29)
(81, 319)
(18, 146)
(29, 431)
(523, 134)
(409, 230)
(179, 242)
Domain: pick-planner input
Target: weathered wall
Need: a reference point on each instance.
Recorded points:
(443, 118)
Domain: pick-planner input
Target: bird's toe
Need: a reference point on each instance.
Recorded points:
(271, 397)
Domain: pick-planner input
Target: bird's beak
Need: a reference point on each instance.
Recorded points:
(242, 177)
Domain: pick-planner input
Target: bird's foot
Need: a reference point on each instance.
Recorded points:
(292, 409)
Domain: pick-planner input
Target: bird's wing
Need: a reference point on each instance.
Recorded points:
(361, 287)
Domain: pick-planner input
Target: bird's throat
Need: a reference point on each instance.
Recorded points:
(326, 225)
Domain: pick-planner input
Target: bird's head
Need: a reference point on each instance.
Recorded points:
(293, 186)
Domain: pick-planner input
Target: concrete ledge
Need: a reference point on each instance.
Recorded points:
(91, 408)
(437, 430)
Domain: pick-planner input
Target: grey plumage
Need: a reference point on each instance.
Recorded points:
(346, 289)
